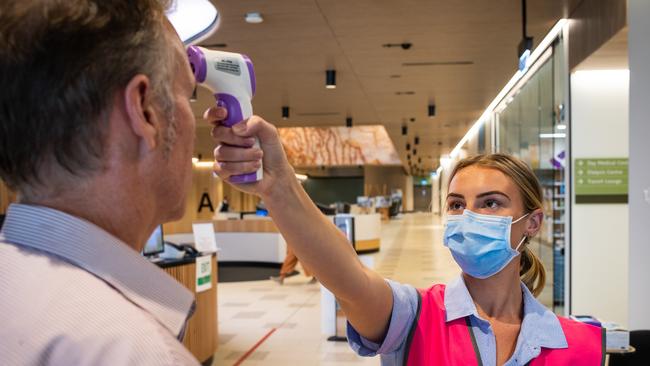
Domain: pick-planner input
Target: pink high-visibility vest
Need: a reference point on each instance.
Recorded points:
(433, 341)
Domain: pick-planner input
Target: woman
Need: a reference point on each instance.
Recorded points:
(489, 316)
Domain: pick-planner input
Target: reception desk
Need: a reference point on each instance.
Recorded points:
(254, 240)
(367, 232)
(201, 335)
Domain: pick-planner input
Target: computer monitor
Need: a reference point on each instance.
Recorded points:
(155, 244)
(345, 223)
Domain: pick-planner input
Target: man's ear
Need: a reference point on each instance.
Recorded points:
(534, 222)
(140, 112)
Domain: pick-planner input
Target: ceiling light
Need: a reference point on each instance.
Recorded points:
(561, 127)
(285, 112)
(193, 20)
(301, 176)
(195, 160)
(552, 135)
(204, 164)
(254, 17)
(432, 110)
(405, 130)
(348, 122)
(404, 46)
(330, 79)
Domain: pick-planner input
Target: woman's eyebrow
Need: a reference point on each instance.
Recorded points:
(455, 195)
(491, 193)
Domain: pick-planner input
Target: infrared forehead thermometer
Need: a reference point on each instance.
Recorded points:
(231, 78)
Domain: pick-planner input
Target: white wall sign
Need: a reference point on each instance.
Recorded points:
(204, 240)
(203, 273)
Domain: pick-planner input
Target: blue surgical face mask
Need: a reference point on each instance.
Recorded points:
(480, 244)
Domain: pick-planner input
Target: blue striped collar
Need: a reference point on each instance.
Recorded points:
(540, 326)
(87, 246)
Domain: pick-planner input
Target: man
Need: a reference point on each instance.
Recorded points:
(96, 136)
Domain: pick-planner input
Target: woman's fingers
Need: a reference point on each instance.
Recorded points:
(225, 135)
(224, 153)
(225, 170)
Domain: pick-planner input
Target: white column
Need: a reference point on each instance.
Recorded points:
(639, 204)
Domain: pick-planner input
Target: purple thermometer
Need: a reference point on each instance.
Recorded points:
(231, 77)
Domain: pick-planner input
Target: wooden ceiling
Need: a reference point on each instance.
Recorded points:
(465, 51)
(611, 55)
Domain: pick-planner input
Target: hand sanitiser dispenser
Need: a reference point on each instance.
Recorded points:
(231, 78)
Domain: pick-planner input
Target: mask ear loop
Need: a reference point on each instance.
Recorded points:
(521, 242)
(525, 236)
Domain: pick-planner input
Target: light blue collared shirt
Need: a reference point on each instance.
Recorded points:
(540, 327)
(72, 294)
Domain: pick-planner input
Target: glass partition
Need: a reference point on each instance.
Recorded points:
(532, 127)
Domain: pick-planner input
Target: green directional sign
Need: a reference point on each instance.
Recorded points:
(601, 180)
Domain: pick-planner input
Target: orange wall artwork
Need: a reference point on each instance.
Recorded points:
(339, 146)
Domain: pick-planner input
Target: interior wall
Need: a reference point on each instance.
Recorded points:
(380, 180)
(329, 190)
(639, 194)
(599, 232)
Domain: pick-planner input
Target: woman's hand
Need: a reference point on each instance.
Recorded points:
(235, 154)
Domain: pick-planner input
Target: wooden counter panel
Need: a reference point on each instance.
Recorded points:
(363, 245)
(224, 226)
(245, 226)
(201, 335)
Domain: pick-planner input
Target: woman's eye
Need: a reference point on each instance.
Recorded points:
(455, 206)
(492, 204)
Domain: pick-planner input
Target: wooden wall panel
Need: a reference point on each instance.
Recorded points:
(593, 23)
(379, 181)
(6, 198)
(201, 335)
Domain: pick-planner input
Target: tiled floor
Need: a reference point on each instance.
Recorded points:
(411, 252)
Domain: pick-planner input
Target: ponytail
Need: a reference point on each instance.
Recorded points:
(533, 273)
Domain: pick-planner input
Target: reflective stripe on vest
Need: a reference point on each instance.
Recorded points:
(434, 341)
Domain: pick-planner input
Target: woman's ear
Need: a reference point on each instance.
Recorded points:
(534, 222)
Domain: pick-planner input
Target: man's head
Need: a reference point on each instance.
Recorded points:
(73, 72)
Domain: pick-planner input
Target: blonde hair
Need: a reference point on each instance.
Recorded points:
(532, 271)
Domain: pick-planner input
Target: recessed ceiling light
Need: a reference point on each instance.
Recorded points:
(330, 79)
(254, 17)
(431, 110)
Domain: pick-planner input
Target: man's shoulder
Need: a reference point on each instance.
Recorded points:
(52, 306)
